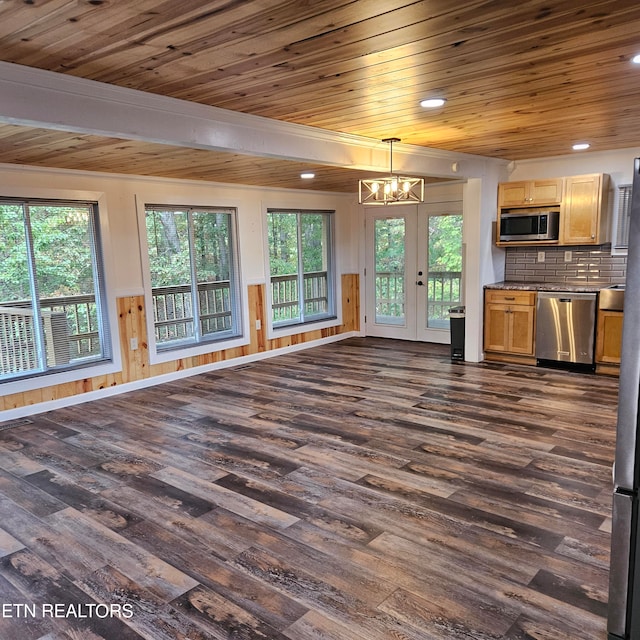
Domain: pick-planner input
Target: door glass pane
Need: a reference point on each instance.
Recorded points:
(390, 271)
(170, 269)
(444, 268)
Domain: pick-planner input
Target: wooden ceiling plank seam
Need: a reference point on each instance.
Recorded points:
(422, 77)
(175, 52)
(329, 53)
(556, 87)
(474, 94)
(321, 57)
(135, 69)
(416, 87)
(489, 54)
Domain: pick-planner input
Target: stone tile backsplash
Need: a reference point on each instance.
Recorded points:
(587, 265)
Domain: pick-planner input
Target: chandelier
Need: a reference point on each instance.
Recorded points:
(392, 189)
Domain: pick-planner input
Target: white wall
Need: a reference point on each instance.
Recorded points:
(484, 262)
(618, 164)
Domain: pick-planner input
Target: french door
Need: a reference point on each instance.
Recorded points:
(413, 271)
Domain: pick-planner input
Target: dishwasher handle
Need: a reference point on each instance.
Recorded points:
(567, 296)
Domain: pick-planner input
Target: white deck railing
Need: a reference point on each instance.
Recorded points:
(443, 292)
(18, 350)
(173, 310)
(71, 329)
(285, 299)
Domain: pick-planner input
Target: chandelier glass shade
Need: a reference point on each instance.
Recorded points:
(392, 189)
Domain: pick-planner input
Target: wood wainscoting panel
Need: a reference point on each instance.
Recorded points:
(135, 363)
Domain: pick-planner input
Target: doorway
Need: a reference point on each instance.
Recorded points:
(414, 267)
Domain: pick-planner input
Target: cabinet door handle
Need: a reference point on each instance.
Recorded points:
(509, 298)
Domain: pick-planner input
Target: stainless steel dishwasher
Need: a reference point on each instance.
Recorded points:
(565, 329)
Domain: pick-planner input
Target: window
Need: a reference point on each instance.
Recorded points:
(193, 267)
(623, 216)
(52, 296)
(301, 266)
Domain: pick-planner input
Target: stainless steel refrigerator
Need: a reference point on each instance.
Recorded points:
(624, 581)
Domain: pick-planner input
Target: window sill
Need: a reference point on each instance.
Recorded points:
(303, 327)
(185, 351)
(44, 380)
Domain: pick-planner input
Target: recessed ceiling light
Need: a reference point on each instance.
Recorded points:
(636, 59)
(307, 175)
(432, 103)
(581, 146)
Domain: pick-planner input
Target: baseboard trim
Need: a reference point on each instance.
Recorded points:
(50, 405)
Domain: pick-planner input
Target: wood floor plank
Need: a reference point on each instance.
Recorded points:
(152, 616)
(313, 626)
(218, 541)
(51, 588)
(155, 575)
(8, 544)
(218, 576)
(368, 489)
(220, 496)
(573, 622)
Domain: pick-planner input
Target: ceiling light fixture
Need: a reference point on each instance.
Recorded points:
(392, 189)
(636, 59)
(581, 146)
(307, 175)
(432, 103)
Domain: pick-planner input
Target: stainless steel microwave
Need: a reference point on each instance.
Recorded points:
(526, 225)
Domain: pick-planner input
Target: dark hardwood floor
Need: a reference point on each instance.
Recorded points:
(364, 490)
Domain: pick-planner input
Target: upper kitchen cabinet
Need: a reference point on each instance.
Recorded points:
(580, 205)
(530, 193)
(583, 214)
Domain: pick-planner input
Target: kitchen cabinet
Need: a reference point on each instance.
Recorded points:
(583, 218)
(608, 340)
(530, 193)
(509, 323)
(583, 204)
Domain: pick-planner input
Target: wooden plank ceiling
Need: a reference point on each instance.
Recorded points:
(521, 80)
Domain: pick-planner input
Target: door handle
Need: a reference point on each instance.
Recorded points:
(420, 283)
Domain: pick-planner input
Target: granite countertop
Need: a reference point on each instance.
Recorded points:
(547, 286)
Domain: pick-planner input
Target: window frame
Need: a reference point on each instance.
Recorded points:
(621, 219)
(188, 348)
(334, 316)
(111, 363)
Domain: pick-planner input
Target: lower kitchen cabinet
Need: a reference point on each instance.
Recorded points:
(509, 324)
(609, 340)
